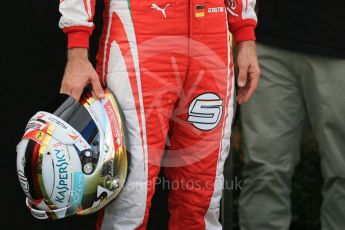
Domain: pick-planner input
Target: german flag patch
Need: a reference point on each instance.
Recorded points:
(199, 11)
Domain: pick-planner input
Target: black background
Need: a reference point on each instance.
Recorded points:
(32, 63)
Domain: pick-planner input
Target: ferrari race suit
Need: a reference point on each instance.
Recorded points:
(169, 64)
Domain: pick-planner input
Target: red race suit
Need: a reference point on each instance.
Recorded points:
(169, 63)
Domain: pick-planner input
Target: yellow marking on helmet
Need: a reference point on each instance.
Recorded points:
(50, 129)
(41, 152)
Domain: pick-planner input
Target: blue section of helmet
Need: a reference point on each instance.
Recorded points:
(89, 132)
(78, 188)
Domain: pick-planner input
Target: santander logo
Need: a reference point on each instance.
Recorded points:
(114, 124)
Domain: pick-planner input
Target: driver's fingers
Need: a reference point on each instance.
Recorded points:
(242, 75)
(97, 87)
(252, 86)
(241, 93)
(65, 90)
(77, 92)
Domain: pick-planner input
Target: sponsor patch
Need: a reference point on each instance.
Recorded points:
(58, 122)
(23, 182)
(214, 10)
(205, 111)
(33, 125)
(78, 188)
(73, 136)
(62, 184)
(35, 135)
(114, 124)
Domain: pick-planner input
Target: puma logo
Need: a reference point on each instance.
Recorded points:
(156, 7)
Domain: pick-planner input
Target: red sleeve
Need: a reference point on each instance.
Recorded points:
(77, 21)
(242, 19)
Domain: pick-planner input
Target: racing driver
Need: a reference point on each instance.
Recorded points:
(169, 64)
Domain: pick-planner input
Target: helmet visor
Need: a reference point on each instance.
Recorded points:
(75, 114)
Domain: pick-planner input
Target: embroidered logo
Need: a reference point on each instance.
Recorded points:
(163, 10)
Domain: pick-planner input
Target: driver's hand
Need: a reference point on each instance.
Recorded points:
(249, 71)
(79, 73)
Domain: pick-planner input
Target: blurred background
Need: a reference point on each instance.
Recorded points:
(306, 184)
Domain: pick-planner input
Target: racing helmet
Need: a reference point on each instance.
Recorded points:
(72, 158)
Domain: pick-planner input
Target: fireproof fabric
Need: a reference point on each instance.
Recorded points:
(169, 64)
